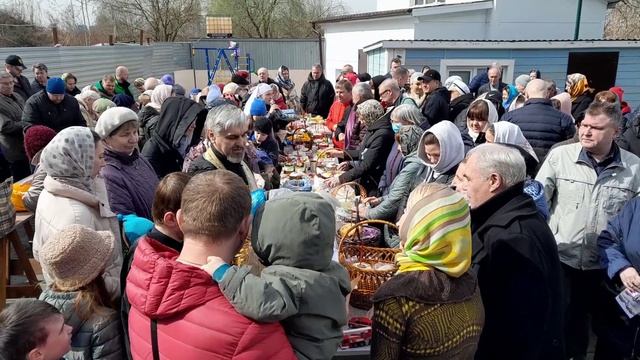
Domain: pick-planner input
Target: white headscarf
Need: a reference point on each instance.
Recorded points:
(493, 117)
(159, 95)
(509, 133)
(451, 147)
(260, 90)
(455, 83)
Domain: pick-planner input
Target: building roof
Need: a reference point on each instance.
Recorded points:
(364, 16)
(503, 44)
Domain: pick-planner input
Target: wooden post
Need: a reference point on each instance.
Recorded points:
(111, 40)
(141, 37)
(148, 41)
(54, 30)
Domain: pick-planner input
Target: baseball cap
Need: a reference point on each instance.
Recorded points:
(14, 60)
(430, 75)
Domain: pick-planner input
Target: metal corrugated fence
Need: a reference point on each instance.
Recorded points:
(269, 53)
(90, 63)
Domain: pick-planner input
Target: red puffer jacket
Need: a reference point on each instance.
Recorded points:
(194, 320)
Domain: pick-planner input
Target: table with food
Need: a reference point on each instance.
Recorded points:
(361, 245)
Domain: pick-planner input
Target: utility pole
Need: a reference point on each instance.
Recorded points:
(576, 35)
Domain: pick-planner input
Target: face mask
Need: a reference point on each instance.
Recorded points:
(396, 127)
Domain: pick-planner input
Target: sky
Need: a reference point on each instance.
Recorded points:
(55, 7)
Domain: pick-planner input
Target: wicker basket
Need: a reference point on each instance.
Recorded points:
(302, 137)
(369, 279)
(345, 194)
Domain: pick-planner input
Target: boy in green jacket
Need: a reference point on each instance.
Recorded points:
(301, 286)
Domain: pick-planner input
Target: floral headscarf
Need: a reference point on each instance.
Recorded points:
(286, 84)
(435, 232)
(577, 85)
(409, 138)
(369, 111)
(69, 157)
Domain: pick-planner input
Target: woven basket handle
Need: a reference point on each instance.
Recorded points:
(362, 223)
(355, 185)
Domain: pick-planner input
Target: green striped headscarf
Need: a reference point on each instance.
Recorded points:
(436, 232)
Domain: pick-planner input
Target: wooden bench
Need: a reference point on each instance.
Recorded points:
(24, 265)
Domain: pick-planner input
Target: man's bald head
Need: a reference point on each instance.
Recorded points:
(536, 89)
(122, 73)
(263, 75)
(390, 84)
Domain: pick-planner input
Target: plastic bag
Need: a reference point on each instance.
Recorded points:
(16, 195)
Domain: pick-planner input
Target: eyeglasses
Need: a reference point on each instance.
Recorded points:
(385, 92)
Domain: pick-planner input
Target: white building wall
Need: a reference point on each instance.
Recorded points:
(545, 20)
(516, 20)
(342, 40)
(469, 25)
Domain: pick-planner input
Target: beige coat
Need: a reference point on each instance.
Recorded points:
(60, 205)
(581, 202)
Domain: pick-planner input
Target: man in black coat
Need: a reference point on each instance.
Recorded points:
(53, 108)
(515, 257)
(13, 65)
(541, 124)
(495, 81)
(436, 106)
(317, 93)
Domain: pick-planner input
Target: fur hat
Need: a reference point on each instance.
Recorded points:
(36, 138)
(230, 88)
(76, 255)
(112, 118)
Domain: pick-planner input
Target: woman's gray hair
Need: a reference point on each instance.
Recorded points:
(222, 118)
(5, 75)
(502, 160)
(369, 111)
(408, 113)
(88, 94)
(363, 89)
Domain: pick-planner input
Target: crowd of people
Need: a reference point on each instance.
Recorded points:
(515, 205)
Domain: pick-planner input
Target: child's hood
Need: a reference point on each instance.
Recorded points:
(297, 231)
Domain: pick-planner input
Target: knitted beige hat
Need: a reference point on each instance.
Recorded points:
(76, 255)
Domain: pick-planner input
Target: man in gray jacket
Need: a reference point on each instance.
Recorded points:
(11, 140)
(586, 184)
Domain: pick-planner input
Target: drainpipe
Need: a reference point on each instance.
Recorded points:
(315, 30)
(576, 35)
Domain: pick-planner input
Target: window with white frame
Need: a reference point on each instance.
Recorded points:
(467, 69)
(426, 2)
